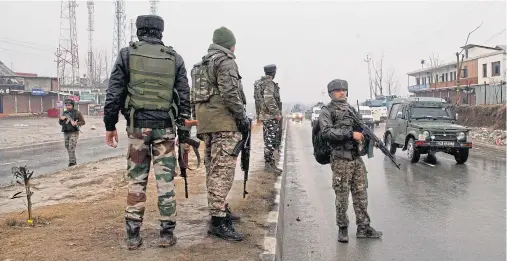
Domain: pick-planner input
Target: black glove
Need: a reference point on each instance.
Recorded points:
(243, 125)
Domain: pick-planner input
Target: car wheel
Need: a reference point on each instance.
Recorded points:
(412, 153)
(462, 156)
(389, 144)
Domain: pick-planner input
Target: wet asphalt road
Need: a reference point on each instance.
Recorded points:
(54, 157)
(427, 212)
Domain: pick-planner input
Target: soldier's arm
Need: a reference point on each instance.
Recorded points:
(269, 99)
(330, 131)
(183, 89)
(228, 85)
(116, 90)
(80, 119)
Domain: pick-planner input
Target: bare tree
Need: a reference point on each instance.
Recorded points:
(392, 84)
(460, 64)
(435, 63)
(377, 80)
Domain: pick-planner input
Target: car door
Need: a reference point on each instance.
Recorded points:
(392, 124)
(402, 124)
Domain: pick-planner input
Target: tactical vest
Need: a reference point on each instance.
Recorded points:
(67, 127)
(205, 85)
(152, 75)
(345, 149)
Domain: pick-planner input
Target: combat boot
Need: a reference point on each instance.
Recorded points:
(365, 231)
(231, 215)
(167, 237)
(222, 227)
(133, 228)
(72, 164)
(343, 234)
(271, 167)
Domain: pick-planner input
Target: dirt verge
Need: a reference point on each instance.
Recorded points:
(488, 116)
(82, 213)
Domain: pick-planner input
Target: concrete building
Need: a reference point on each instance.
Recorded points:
(482, 80)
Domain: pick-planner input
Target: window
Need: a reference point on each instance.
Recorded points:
(495, 69)
(465, 72)
(442, 78)
(417, 81)
(485, 70)
(429, 113)
(436, 78)
(446, 77)
(394, 111)
(424, 80)
(455, 77)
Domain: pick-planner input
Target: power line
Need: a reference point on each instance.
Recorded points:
(494, 36)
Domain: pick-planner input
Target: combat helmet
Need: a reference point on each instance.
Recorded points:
(69, 101)
(150, 22)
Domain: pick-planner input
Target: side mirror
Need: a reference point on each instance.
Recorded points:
(399, 114)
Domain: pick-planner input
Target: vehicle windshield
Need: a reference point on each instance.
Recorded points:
(430, 113)
(316, 111)
(365, 112)
(377, 103)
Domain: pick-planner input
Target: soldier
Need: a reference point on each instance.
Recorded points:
(266, 94)
(71, 120)
(147, 82)
(219, 108)
(349, 171)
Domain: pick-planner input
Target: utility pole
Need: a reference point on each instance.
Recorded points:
(368, 59)
(90, 64)
(132, 30)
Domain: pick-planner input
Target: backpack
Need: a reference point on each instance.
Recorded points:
(203, 84)
(321, 148)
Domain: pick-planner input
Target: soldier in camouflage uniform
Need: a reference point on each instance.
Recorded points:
(70, 121)
(349, 171)
(149, 84)
(219, 108)
(266, 94)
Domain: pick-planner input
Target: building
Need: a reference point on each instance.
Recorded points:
(483, 77)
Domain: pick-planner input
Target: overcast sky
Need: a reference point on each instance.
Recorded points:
(311, 42)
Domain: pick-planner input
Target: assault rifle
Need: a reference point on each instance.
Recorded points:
(370, 135)
(183, 153)
(244, 147)
(69, 120)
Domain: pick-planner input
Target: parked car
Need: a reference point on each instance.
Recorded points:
(426, 125)
(367, 115)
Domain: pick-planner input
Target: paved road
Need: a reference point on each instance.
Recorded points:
(54, 157)
(427, 212)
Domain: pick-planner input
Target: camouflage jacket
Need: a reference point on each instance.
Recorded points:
(222, 110)
(270, 96)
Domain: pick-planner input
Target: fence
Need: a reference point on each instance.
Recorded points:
(490, 94)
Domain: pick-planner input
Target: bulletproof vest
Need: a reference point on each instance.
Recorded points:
(67, 127)
(203, 84)
(152, 75)
(345, 149)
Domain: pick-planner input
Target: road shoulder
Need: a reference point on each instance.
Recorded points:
(80, 210)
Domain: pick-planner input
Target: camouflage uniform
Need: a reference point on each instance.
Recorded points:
(143, 144)
(149, 85)
(71, 133)
(349, 171)
(269, 110)
(219, 102)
